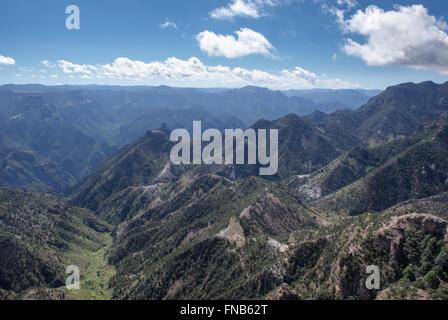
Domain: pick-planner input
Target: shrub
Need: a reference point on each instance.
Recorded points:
(432, 279)
(409, 273)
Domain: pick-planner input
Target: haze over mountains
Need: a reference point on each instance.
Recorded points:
(68, 130)
(355, 187)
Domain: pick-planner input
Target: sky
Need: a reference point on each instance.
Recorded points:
(279, 44)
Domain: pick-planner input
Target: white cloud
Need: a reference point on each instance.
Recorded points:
(46, 63)
(194, 73)
(349, 4)
(168, 24)
(338, 8)
(247, 42)
(54, 76)
(7, 60)
(68, 67)
(406, 36)
(237, 8)
(247, 8)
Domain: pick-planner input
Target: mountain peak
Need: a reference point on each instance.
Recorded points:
(164, 128)
(255, 89)
(413, 85)
(316, 117)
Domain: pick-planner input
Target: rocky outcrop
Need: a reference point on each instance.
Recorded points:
(347, 277)
(348, 273)
(390, 237)
(233, 233)
(277, 245)
(284, 292)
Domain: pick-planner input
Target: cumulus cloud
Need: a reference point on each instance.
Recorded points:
(406, 36)
(168, 24)
(68, 67)
(193, 72)
(247, 42)
(7, 60)
(237, 8)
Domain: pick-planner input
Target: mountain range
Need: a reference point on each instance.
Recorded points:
(355, 187)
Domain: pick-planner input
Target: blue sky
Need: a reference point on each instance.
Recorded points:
(281, 44)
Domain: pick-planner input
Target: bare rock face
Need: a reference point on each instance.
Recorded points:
(391, 236)
(233, 233)
(347, 277)
(284, 292)
(165, 175)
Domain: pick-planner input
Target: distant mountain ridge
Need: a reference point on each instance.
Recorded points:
(173, 120)
(331, 100)
(397, 111)
(74, 128)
